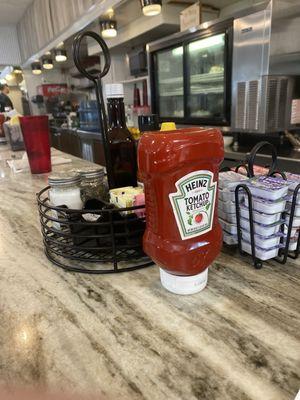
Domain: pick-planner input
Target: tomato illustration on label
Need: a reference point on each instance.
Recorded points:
(198, 218)
(194, 203)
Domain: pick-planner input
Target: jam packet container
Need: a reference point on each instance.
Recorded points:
(260, 253)
(294, 180)
(292, 245)
(266, 206)
(294, 231)
(226, 195)
(229, 239)
(290, 195)
(124, 197)
(288, 208)
(257, 170)
(296, 221)
(268, 187)
(228, 217)
(266, 219)
(139, 200)
(227, 206)
(264, 242)
(261, 229)
(230, 180)
(229, 228)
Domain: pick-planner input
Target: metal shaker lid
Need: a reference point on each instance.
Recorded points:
(64, 179)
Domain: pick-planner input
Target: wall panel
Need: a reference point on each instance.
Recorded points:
(9, 46)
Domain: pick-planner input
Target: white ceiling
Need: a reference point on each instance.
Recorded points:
(11, 11)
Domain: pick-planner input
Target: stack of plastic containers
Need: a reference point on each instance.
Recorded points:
(228, 181)
(271, 199)
(274, 202)
(268, 203)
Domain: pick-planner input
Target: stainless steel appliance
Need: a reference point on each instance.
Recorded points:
(261, 94)
(190, 75)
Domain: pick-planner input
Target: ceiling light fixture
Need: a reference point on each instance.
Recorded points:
(17, 70)
(36, 68)
(151, 7)
(108, 28)
(47, 61)
(60, 55)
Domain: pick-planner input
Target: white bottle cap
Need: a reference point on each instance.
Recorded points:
(183, 284)
(114, 90)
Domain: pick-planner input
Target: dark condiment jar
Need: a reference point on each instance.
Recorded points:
(122, 148)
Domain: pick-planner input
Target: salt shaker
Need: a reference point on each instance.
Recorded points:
(65, 190)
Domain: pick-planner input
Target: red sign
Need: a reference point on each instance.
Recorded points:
(52, 89)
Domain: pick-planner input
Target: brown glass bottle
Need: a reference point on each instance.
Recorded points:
(121, 145)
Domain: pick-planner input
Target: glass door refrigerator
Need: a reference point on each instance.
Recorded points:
(190, 76)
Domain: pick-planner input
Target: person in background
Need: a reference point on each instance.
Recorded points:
(4, 99)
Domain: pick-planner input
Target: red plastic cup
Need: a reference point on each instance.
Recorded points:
(35, 131)
(2, 120)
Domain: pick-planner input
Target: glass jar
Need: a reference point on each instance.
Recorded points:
(65, 190)
(93, 184)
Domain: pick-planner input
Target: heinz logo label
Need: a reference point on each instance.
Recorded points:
(194, 203)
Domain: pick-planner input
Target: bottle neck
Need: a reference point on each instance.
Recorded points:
(116, 113)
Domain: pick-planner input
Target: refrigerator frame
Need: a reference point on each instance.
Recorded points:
(183, 39)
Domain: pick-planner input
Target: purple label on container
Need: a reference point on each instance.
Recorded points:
(268, 183)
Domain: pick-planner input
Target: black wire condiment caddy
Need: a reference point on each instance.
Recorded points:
(95, 241)
(101, 239)
(285, 241)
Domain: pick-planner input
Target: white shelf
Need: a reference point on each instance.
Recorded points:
(171, 80)
(212, 77)
(199, 78)
(171, 94)
(216, 90)
(134, 80)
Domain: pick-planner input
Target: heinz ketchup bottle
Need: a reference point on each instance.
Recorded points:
(179, 170)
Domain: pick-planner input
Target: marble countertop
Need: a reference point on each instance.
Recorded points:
(124, 337)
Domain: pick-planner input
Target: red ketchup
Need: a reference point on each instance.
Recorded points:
(179, 170)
